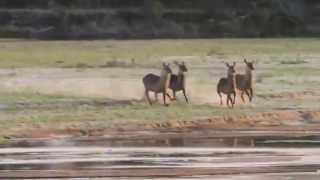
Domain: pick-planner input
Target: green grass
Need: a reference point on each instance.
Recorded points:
(29, 96)
(4, 140)
(298, 60)
(27, 109)
(22, 53)
(295, 71)
(44, 108)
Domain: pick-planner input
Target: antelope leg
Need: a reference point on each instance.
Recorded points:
(228, 98)
(169, 96)
(164, 94)
(220, 99)
(185, 96)
(251, 94)
(248, 94)
(243, 100)
(147, 96)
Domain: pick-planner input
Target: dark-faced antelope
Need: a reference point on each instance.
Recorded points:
(227, 85)
(244, 81)
(178, 81)
(158, 84)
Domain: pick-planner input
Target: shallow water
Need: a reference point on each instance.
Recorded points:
(274, 158)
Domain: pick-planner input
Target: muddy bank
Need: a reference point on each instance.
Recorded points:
(283, 143)
(294, 118)
(229, 130)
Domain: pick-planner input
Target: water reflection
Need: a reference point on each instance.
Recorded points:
(245, 141)
(153, 162)
(152, 157)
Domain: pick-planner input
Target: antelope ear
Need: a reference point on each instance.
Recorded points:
(227, 64)
(245, 60)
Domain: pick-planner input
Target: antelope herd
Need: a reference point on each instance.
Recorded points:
(177, 82)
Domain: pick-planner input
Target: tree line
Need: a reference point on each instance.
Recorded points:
(130, 19)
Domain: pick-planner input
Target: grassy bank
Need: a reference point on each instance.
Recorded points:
(97, 84)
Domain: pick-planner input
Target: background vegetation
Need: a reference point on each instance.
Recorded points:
(123, 19)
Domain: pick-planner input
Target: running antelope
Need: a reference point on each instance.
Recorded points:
(244, 81)
(158, 84)
(227, 85)
(178, 82)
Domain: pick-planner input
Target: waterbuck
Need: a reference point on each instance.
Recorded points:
(158, 84)
(227, 85)
(244, 81)
(178, 81)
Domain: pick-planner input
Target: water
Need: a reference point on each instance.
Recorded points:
(216, 158)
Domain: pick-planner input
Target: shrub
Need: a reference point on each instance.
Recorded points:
(296, 61)
(115, 63)
(153, 9)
